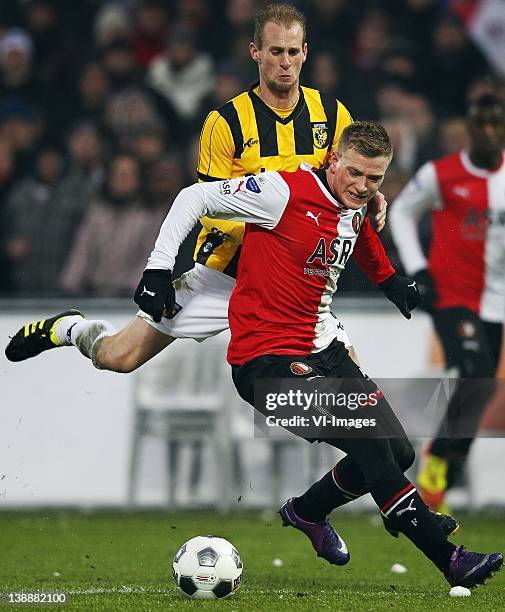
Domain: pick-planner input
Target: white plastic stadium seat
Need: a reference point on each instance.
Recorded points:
(182, 396)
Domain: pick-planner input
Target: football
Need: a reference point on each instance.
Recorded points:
(207, 567)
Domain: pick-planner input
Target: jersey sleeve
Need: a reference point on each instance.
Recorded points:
(216, 150)
(343, 120)
(257, 199)
(370, 254)
(421, 194)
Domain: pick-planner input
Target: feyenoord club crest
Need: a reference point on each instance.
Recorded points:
(320, 135)
(299, 368)
(466, 329)
(356, 222)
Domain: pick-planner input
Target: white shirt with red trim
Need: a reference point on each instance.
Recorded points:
(467, 251)
(297, 241)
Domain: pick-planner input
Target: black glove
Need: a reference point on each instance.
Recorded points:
(427, 289)
(403, 292)
(155, 294)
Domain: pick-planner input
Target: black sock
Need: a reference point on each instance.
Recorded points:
(329, 493)
(455, 469)
(400, 502)
(441, 447)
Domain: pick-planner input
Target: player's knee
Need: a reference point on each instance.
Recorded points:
(116, 357)
(125, 365)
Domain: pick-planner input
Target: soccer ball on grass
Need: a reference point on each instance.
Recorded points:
(207, 567)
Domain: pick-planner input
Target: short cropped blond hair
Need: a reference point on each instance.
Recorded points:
(367, 138)
(281, 14)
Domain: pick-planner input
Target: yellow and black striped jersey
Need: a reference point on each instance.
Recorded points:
(246, 136)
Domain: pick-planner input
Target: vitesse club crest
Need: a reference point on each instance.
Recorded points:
(320, 135)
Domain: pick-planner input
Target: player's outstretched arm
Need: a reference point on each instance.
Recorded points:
(260, 200)
(255, 199)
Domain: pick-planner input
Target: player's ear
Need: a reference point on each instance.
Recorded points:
(255, 52)
(334, 157)
(305, 50)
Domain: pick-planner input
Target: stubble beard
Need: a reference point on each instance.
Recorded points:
(282, 89)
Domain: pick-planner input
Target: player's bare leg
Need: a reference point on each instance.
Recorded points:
(122, 351)
(129, 348)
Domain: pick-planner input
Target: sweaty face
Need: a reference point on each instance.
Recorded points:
(281, 56)
(486, 128)
(354, 178)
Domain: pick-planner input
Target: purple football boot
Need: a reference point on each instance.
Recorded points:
(325, 540)
(469, 569)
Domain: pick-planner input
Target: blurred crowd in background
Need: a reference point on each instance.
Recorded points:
(101, 104)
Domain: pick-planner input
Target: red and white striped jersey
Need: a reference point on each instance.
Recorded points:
(297, 241)
(467, 251)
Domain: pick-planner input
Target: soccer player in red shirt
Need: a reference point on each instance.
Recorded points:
(301, 229)
(462, 280)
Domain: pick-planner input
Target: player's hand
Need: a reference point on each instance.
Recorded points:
(377, 209)
(155, 293)
(403, 292)
(427, 289)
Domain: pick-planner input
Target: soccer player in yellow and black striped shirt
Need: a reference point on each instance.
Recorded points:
(276, 125)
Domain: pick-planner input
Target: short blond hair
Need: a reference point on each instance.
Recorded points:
(367, 138)
(281, 14)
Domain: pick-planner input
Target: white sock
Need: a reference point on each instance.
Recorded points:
(86, 336)
(63, 327)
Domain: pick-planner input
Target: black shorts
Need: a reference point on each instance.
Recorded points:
(333, 363)
(470, 344)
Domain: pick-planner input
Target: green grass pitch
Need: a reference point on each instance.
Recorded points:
(122, 561)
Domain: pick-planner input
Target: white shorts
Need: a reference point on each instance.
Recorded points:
(203, 294)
